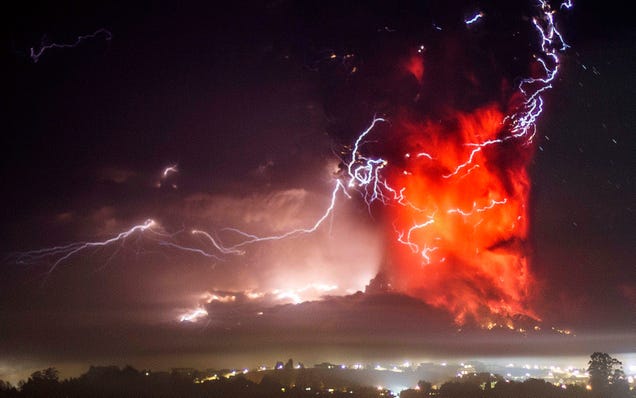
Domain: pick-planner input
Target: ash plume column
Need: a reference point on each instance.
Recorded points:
(461, 242)
(454, 173)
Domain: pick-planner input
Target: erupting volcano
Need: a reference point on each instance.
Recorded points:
(455, 179)
(445, 169)
(462, 226)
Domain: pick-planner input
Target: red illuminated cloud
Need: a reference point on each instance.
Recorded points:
(415, 66)
(455, 176)
(461, 238)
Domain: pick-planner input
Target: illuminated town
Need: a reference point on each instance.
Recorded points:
(289, 378)
(395, 378)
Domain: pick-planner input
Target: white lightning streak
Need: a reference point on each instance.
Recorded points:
(474, 19)
(217, 245)
(168, 170)
(475, 209)
(363, 173)
(73, 248)
(523, 121)
(254, 238)
(36, 54)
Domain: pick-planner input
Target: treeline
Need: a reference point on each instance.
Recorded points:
(111, 382)
(531, 388)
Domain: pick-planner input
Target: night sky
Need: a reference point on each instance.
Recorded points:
(254, 102)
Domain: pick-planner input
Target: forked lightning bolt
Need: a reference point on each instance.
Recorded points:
(36, 54)
(364, 173)
(61, 253)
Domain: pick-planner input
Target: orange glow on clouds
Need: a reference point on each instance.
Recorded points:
(462, 229)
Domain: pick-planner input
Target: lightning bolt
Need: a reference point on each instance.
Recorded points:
(476, 209)
(168, 170)
(364, 173)
(474, 18)
(522, 123)
(361, 172)
(36, 54)
(60, 254)
(249, 239)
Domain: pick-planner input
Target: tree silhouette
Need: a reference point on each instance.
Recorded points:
(7, 390)
(41, 383)
(606, 376)
(454, 389)
(46, 375)
(425, 387)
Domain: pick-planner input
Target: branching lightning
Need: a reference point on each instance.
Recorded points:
(35, 54)
(248, 239)
(495, 220)
(60, 254)
(428, 219)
